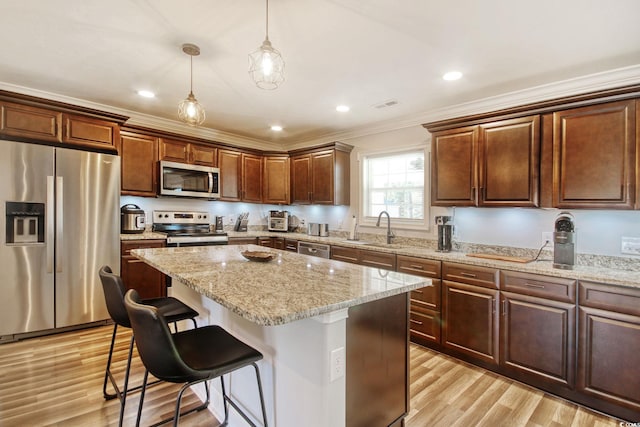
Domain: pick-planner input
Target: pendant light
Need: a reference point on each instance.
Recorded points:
(189, 110)
(266, 65)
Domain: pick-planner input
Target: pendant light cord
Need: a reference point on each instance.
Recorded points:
(267, 19)
(191, 83)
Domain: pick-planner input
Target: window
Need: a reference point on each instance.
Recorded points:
(395, 182)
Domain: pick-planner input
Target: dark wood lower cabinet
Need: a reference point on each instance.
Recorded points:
(377, 382)
(538, 338)
(137, 274)
(470, 321)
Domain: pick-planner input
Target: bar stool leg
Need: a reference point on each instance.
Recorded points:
(144, 389)
(224, 401)
(107, 371)
(264, 412)
(123, 395)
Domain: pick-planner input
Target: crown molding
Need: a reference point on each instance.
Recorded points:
(580, 85)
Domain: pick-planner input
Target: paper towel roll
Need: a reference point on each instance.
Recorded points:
(352, 228)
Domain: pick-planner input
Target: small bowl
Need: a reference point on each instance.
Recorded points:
(258, 256)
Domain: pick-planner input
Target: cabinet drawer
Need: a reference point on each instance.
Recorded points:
(242, 240)
(419, 266)
(378, 260)
(424, 324)
(608, 297)
(344, 254)
(427, 297)
(536, 285)
(128, 245)
(290, 245)
(471, 274)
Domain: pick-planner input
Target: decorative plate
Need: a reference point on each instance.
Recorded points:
(259, 256)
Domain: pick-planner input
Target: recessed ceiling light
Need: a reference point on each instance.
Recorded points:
(146, 94)
(342, 108)
(276, 128)
(452, 75)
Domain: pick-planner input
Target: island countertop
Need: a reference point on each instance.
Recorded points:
(290, 287)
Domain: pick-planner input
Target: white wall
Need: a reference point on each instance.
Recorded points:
(599, 232)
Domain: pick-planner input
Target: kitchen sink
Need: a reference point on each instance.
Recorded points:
(386, 245)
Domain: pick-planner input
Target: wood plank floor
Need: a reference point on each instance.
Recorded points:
(57, 381)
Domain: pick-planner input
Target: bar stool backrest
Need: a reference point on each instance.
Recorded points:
(114, 290)
(155, 343)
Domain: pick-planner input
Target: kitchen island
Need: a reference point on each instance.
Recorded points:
(333, 335)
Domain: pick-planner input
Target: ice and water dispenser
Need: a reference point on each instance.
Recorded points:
(24, 223)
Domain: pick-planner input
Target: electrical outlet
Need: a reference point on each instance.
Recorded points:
(630, 245)
(232, 220)
(547, 236)
(337, 364)
(302, 224)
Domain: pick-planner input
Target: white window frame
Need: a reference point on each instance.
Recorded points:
(396, 223)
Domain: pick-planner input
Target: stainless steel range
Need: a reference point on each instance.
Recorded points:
(187, 228)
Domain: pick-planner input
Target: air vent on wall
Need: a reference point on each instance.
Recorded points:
(385, 104)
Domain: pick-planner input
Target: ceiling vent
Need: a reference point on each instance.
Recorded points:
(385, 104)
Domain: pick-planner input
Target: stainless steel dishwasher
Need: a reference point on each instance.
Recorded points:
(314, 249)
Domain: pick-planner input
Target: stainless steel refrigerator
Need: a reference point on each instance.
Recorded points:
(61, 224)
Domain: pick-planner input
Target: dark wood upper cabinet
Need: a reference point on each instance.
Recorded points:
(453, 167)
(321, 176)
(494, 164)
(275, 185)
(301, 180)
(251, 178)
(509, 162)
(230, 164)
(30, 122)
(139, 164)
(90, 133)
(187, 152)
(594, 156)
(240, 176)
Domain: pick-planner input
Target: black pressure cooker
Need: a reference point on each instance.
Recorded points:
(131, 219)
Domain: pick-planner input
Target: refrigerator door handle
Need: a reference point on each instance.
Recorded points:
(59, 222)
(50, 223)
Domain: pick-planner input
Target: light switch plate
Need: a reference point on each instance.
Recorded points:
(630, 245)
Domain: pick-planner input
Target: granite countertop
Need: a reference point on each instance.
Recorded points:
(291, 287)
(596, 271)
(147, 235)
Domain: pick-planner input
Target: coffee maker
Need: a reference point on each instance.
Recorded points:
(445, 233)
(564, 242)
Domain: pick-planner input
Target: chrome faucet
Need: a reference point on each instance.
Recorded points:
(390, 234)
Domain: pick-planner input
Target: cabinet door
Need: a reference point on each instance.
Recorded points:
(137, 274)
(538, 338)
(90, 133)
(30, 122)
(424, 325)
(266, 242)
(453, 170)
(203, 155)
(470, 321)
(230, 164)
(139, 157)
(609, 357)
(291, 245)
(251, 178)
(594, 156)
(174, 151)
(322, 177)
(509, 162)
(243, 240)
(275, 189)
(301, 180)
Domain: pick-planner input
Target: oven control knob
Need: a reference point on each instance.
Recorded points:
(166, 215)
(199, 216)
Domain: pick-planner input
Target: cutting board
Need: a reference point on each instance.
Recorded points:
(502, 258)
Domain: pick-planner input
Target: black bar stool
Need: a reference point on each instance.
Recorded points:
(172, 309)
(189, 357)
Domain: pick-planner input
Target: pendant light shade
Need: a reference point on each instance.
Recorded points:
(266, 65)
(189, 110)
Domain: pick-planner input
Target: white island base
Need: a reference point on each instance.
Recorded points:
(296, 374)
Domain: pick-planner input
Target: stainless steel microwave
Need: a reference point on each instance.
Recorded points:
(184, 180)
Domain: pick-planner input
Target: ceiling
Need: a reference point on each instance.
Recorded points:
(356, 52)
